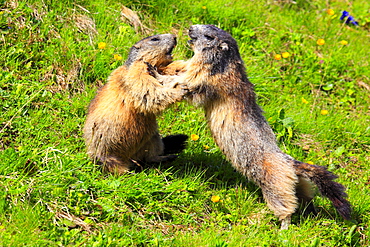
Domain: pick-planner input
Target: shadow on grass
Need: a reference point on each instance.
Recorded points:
(220, 174)
(215, 170)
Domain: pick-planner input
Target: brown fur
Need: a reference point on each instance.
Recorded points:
(217, 80)
(121, 126)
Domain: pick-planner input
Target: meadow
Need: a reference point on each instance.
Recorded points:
(311, 74)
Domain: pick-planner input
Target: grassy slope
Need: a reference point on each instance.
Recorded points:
(51, 194)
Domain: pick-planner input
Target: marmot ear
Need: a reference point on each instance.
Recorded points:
(224, 46)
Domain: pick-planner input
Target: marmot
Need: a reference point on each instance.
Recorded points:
(217, 80)
(121, 126)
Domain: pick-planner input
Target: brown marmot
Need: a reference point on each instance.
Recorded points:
(217, 80)
(121, 127)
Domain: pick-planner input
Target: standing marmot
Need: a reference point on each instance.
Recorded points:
(121, 122)
(216, 79)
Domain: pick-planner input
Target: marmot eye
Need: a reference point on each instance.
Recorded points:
(154, 39)
(209, 37)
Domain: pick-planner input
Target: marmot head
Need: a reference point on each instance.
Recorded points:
(155, 50)
(213, 45)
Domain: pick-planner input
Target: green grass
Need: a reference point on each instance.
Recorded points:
(51, 66)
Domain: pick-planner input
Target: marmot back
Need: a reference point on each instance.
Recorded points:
(121, 127)
(217, 80)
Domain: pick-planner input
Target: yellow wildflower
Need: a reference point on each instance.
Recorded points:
(277, 57)
(285, 54)
(304, 101)
(117, 57)
(309, 162)
(324, 112)
(344, 42)
(204, 7)
(330, 12)
(206, 147)
(320, 42)
(102, 45)
(194, 137)
(215, 198)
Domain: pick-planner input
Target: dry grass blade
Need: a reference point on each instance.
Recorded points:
(133, 18)
(11, 4)
(85, 25)
(74, 219)
(64, 77)
(53, 208)
(364, 85)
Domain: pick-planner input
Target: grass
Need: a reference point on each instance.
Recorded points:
(51, 194)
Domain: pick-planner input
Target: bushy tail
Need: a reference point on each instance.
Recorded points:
(174, 144)
(323, 179)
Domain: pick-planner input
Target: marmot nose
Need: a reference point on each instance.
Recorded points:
(191, 30)
(172, 37)
(196, 27)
